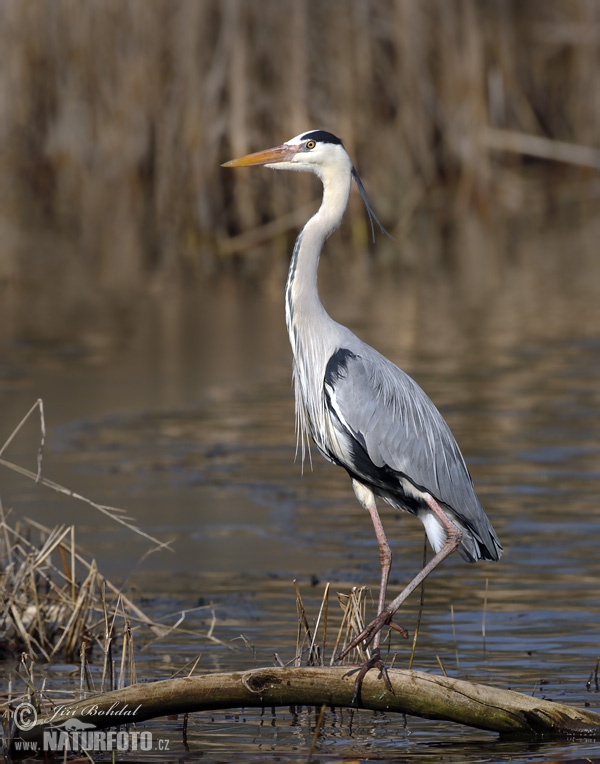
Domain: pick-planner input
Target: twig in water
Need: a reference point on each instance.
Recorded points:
(454, 636)
(85, 678)
(249, 645)
(303, 625)
(184, 732)
(594, 678)
(441, 665)
(483, 615)
(116, 514)
(138, 614)
(193, 663)
(352, 623)
(319, 651)
(107, 666)
(421, 604)
(28, 663)
(127, 656)
(39, 404)
(315, 736)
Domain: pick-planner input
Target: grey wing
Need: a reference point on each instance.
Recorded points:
(389, 435)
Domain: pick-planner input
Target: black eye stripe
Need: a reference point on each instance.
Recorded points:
(321, 136)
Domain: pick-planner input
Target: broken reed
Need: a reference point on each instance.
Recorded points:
(312, 646)
(47, 614)
(311, 639)
(55, 603)
(121, 112)
(45, 611)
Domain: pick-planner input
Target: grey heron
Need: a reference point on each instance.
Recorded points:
(364, 413)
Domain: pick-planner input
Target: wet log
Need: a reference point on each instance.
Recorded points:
(413, 692)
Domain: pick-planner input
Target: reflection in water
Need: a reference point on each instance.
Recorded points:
(189, 425)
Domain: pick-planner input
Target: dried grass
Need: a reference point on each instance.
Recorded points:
(311, 641)
(52, 597)
(56, 603)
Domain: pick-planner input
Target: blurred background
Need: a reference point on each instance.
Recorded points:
(470, 123)
(141, 296)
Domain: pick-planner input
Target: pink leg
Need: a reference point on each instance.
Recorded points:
(453, 538)
(367, 500)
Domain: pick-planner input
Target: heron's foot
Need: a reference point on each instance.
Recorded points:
(373, 662)
(367, 635)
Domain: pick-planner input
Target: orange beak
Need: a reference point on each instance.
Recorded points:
(282, 153)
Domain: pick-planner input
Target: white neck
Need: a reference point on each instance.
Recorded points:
(311, 330)
(303, 305)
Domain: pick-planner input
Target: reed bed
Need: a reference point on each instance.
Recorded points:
(57, 607)
(322, 637)
(115, 116)
(56, 604)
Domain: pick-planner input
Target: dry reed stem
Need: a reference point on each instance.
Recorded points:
(39, 405)
(441, 665)
(315, 737)
(69, 614)
(307, 635)
(58, 604)
(454, 639)
(113, 513)
(323, 613)
(421, 605)
(353, 607)
(594, 678)
(484, 611)
(538, 146)
(311, 640)
(44, 627)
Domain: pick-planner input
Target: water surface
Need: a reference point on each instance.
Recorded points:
(186, 420)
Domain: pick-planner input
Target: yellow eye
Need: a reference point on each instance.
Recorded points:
(310, 145)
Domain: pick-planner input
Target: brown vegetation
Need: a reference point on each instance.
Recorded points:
(53, 601)
(116, 116)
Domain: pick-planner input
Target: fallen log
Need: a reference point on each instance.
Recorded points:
(413, 692)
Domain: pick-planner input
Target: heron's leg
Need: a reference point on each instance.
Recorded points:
(367, 500)
(453, 538)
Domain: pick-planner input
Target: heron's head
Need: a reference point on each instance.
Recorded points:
(316, 151)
